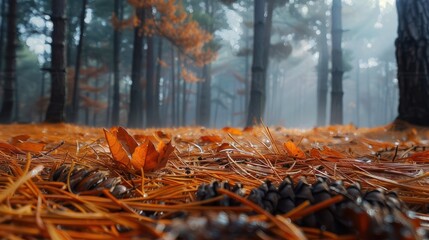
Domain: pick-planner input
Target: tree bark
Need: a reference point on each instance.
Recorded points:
(158, 80)
(116, 62)
(135, 115)
(337, 65)
(258, 85)
(9, 90)
(204, 95)
(412, 55)
(76, 83)
(55, 112)
(322, 75)
(2, 32)
(173, 88)
(152, 114)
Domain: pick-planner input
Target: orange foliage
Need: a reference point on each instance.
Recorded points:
(126, 150)
(173, 23)
(293, 150)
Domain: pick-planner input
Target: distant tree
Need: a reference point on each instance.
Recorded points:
(135, 114)
(171, 22)
(118, 13)
(257, 90)
(55, 112)
(412, 47)
(337, 65)
(76, 97)
(10, 65)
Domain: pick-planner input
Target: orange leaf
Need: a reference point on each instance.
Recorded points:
(331, 153)
(6, 147)
(233, 131)
(138, 158)
(164, 151)
(118, 152)
(151, 157)
(30, 146)
(293, 150)
(315, 153)
(211, 139)
(126, 138)
(19, 138)
(420, 156)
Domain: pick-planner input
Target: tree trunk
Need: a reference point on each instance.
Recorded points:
(173, 88)
(2, 32)
(337, 65)
(118, 10)
(152, 115)
(10, 65)
(135, 115)
(55, 112)
(322, 75)
(158, 80)
(267, 35)
(257, 89)
(412, 56)
(204, 98)
(76, 83)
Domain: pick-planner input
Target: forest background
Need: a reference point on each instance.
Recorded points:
(196, 92)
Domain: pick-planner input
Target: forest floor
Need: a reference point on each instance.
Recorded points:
(70, 182)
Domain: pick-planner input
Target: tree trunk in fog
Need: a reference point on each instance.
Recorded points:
(76, 82)
(267, 35)
(337, 65)
(2, 32)
(152, 114)
(257, 89)
(158, 80)
(118, 10)
(9, 90)
(55, 112)
(322, 75)
(135, 115)
(204, 93)
(412, 55)
(173, 88)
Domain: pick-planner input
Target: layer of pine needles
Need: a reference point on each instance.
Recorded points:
(33, 206)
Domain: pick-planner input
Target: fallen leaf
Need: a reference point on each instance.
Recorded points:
(211, 139)
(146, 156)
(118, 152)
(6, 147)
(233, 131)
(293, 150)
(31, 146)
(19, 138)
(125, 137)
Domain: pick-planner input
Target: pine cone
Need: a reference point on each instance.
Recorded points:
(215, 226)
(84, 179)
(208, 191)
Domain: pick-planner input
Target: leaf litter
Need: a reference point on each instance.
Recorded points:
(65, 182)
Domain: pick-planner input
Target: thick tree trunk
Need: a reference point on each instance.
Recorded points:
(2, 32)
(204, 98)
(118, 10)
(135, 115)
(57, 100)
(10, 65)
(322, 75)
(257, 89)
(204, 93)
(152, 114)
(412, 55)
(76, 83)
(337, 65)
